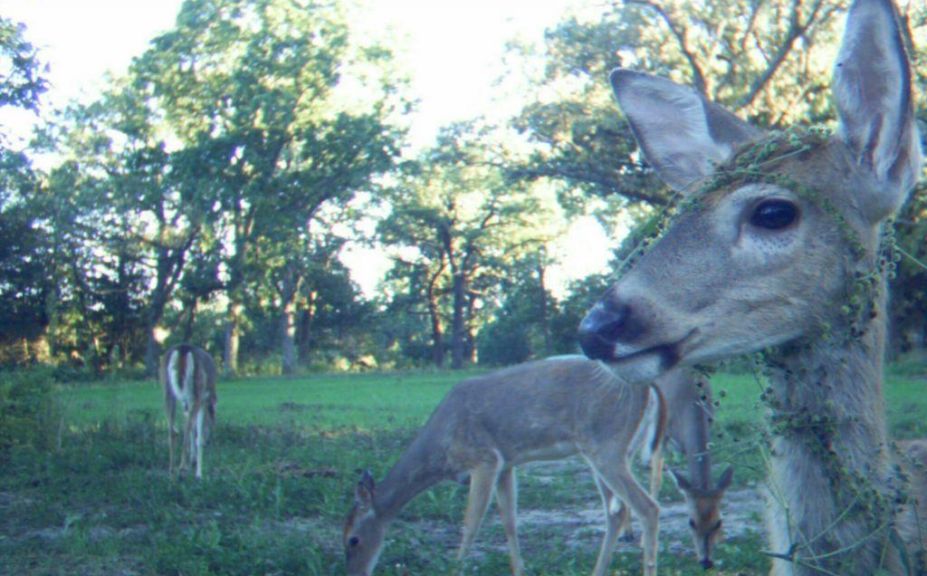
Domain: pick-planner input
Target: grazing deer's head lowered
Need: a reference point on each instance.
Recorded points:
(704, 506)
(689, 406)
(779, 242)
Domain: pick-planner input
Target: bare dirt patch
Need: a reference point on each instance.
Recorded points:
(580, 526)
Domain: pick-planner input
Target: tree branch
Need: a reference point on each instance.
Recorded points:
(587, 177)
(796, 30)
(698, 77)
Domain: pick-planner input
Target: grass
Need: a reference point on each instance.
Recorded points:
(280, 471)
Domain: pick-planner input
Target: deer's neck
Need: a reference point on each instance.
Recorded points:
(420, 467)
(830, 491)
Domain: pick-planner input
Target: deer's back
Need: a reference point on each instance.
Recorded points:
(540, 410)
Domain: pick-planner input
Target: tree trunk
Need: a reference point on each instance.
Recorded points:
(189, 318)
(288, 286)
(470, 333)
(232, 337)
(288, 340)
(304, 329)
(153, 347)
(437, 329)
(152, 353)
(458, 325)
(543, 313)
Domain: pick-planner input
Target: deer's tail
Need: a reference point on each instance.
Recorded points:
(655, 418)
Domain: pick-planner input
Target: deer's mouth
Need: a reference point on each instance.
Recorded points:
(649, 363)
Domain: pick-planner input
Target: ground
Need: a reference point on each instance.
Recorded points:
(84, 488)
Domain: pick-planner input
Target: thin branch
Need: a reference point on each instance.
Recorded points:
(698, 78)
(796, 30)
(579, 175)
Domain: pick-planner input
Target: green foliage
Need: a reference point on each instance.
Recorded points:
(227, 163)
(908, 305)
(25, 280)
(457, 231)
(29, 412)
(522, 326)
(233, 143)
(761, 59)
(23, 83)
(279, 472)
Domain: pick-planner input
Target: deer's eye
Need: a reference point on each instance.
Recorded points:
(691, 523)
(774, 214)
(353, 541)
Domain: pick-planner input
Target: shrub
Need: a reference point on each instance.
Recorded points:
(29, 414)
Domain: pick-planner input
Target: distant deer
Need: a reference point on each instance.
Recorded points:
(779, 246)
(690, 413)
(188, 376)
(485, 426)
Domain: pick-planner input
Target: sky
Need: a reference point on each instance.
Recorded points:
(454, 50)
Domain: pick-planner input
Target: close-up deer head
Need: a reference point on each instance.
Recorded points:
(773, 226)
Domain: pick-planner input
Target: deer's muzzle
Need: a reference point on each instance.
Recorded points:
(604, 326)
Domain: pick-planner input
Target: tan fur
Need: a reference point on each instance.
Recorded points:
(718, 285)
(486, 426)
(188, 377)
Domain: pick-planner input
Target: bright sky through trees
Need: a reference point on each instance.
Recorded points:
(452, 50)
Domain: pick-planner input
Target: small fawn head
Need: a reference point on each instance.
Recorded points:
(363, 530)
(773, 228)
(704, 512)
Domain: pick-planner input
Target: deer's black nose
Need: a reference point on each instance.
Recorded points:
(707, 564)
(601, 328)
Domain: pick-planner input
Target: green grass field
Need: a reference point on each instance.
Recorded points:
(280, 473)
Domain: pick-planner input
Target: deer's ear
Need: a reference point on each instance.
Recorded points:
(682, 134)
(724, 482)
(681, 481)
(363, 493)
(872, 89)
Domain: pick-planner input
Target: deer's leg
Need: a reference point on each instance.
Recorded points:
(617, 516)
(198, 437)
(617, 524)
(482, 481)
(186, 454)
(170, 408)
(615, 474)
(507, 499)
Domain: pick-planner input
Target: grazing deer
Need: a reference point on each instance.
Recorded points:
(485, 426)
(188, 375)
(780, 243)
(689, 407)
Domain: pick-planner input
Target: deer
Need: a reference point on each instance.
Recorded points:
(188, 377)
(487, 425)
(779, 248)
(690, 415)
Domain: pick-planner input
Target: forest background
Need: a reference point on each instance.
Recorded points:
(211, 192)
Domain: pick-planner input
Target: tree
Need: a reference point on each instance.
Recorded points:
(761, 59)
(23, 81)
(25, 282)
(455, 227)
(130, 181)
(521, 327)
(252, 89)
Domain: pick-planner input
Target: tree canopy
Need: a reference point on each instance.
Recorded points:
(210, 191)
